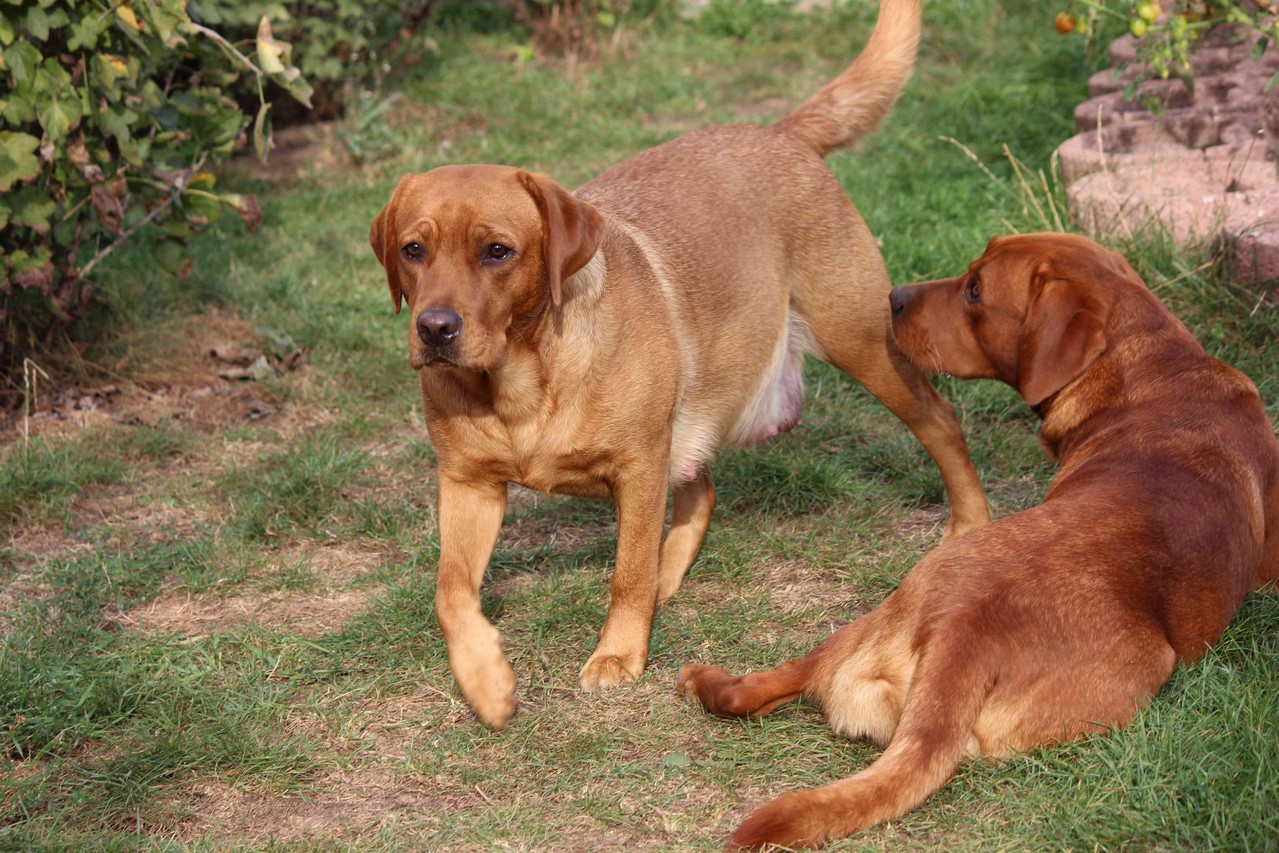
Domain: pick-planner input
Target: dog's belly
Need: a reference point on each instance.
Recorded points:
(773, 406)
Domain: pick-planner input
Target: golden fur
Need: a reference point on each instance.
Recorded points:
(606, 342)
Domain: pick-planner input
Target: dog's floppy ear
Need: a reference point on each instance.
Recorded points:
(571, 230)
(1065, 333)
(382, 238)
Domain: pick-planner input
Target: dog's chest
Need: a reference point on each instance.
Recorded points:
(533, 454)
(520, 434)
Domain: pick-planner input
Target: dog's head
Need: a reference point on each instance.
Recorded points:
(479, 253)
(1032, 311)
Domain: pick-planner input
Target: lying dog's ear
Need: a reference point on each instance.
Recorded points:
(571, 230)
(382, 238)
(1065, 333)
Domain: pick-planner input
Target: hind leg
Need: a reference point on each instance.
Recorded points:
(874, 361)
(758, 693)
(694, 503)
(754, 694)
(1100, 691)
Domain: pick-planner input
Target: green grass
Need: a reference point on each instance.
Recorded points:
(217, 633)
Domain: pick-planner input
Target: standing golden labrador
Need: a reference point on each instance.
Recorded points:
(1066, 618)
(605, 343)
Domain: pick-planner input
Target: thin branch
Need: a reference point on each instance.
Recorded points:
(150, 217)
(225, 45)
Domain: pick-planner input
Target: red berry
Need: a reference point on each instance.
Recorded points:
(1065, 23)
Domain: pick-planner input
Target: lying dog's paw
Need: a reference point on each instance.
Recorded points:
(608, 671)
(699, 683)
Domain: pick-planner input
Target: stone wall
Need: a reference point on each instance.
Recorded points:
(1206, 167)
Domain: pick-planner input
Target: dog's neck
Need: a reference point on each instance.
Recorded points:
(521, 384)
(1139, 370)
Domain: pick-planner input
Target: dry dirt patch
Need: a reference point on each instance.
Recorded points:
(306, 614)
(205, 370)
(343, 807)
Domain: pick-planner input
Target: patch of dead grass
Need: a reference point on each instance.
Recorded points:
(343, 807)
(303, 614)
(333, 566)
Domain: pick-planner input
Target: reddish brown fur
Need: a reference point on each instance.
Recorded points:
(1066, 618)
(641, 322)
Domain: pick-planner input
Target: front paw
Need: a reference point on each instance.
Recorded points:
(494, 700)
(605, 670)
(486, 679)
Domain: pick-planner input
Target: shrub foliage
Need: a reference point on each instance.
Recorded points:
(110, 114)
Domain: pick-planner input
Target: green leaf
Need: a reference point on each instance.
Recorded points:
(18, 160)
(58, 116)
(26, 262)
(116, 121)
(22, 59)
(38, 23)
(272, 54)
(676, 760)
(152, 96)
(295, 84)
(262, 132)
(165, 16)
(33, 208)
(20, 108)
(85, 32)
(108, 70)
(7, 33)
(4, 214)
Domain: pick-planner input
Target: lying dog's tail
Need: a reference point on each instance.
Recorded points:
(932, 735)
(851, 105)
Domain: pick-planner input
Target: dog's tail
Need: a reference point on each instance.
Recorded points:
(851, 105)
(940, 710)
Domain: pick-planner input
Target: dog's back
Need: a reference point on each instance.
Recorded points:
(1166, 433)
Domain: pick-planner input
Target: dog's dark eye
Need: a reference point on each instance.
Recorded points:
(498, 252)
(413, 251)
(972, 292)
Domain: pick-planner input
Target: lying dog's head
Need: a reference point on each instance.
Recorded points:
(1031, 311)
(479, 253)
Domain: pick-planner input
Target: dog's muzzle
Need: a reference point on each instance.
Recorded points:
(438, 327)
(897, 298)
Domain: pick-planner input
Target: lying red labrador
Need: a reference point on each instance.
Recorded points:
(1066, 618)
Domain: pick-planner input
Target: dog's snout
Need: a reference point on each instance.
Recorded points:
(438, 326)
(897, 298)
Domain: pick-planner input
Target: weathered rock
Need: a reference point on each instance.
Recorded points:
(1204, 168)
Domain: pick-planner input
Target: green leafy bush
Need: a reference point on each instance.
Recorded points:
(1167, 36)
(110, 114)
(338, 44)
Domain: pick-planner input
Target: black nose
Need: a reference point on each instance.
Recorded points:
(897, 298)
(438, 326)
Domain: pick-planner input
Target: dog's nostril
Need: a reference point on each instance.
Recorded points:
(438, 326)
(897, 299)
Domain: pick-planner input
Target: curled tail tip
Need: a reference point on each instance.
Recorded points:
(852, 104)
(784, 822)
